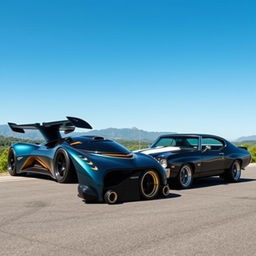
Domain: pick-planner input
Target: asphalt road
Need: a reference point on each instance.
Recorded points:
(40, 217)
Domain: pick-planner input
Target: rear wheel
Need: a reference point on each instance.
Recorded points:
(234, 173)
(11, 165)
(149, 184)
(62, 167)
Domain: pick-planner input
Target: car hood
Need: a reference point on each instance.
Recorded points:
(110, 161)
(163, 152)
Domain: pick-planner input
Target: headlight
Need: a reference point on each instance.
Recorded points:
(163, 162)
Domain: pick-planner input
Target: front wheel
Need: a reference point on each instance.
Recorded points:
(149, 184)
(62, 167)
(234, 173)
(110, 197)
(185, 177)
(165, 191)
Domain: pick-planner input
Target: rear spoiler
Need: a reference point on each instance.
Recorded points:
(51, 130)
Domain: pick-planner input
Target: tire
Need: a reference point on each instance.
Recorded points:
(110, 197)
(62, 167)
(233, 174)
(11, 164)
(184, 179)
(149, 184)
(165, 191)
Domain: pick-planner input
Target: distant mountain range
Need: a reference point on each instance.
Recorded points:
(109, 133)
(247, 138)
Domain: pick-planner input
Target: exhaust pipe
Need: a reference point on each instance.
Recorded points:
(111, 197)
(165, 190)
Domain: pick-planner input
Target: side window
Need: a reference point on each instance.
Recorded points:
(213, 143)
(193, 142)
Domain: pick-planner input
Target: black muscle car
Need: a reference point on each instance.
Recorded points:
(188, 156)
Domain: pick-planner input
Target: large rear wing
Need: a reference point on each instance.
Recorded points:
(51, 130)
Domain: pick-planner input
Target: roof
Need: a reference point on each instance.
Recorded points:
(189, 135)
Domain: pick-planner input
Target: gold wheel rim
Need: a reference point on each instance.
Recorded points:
(155, 185)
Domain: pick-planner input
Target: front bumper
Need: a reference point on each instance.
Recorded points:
(87, 193)
(126, 184)
(127, 190)
(172, 171)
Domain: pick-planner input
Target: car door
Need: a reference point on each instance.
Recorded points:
(212, 155)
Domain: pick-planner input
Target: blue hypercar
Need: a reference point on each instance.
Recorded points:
(105, 169)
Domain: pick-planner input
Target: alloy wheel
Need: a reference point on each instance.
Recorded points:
(185, 176)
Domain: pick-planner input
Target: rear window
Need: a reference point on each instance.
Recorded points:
(213, 143)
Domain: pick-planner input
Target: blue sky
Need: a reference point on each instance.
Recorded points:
(169, 65)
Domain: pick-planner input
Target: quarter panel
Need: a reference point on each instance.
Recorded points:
(233, 153)
(29, 154)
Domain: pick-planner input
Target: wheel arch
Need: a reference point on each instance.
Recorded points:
(72, 167)
(162, 178)
(192, 165)
(237, 159)
(240, 162)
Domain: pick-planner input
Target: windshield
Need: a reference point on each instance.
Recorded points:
(181, 142)
(100, 146)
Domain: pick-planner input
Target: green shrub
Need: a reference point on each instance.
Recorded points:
(3, 160)
(252, 150)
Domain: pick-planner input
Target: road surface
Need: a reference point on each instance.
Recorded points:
(41, 217)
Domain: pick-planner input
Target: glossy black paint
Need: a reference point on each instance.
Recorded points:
(204, 162)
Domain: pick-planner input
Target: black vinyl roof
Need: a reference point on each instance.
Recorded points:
(189, 135)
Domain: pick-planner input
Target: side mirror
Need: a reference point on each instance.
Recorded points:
(206, 148)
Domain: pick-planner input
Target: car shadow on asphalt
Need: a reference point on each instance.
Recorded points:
(214, 181)
(43, 177)
(170, 196)
(36, 176)
(46, 177)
